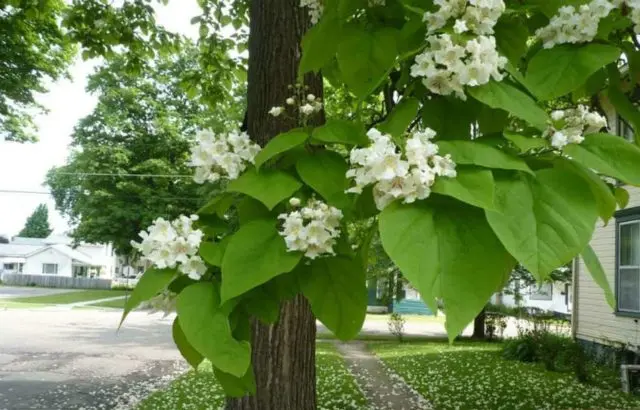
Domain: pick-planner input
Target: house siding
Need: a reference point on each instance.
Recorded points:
(33, 264)
(558, 302)
(595, 320)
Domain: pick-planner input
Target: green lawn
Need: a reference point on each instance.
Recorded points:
(470, 375)
(64, 298)
(118, 304)
(337, 390)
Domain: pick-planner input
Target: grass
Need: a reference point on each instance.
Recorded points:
(470, 375)
(117, 304)
(64, 298)
(337, 389)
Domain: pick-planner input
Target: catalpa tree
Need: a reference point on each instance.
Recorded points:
(468, 174)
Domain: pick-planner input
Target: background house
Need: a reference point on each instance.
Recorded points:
(551, 296)
(55, 255)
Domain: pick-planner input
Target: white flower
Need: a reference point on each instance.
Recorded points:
(394, 177)
(215, 156)
(575, 124)
(460, 26)
(170, 244)
(311, 97)
(295, 202)
(276, 111)
(559, 140)
(312, 230)
(315, 8)
(290, 101)
(557, 115)
(307, 109)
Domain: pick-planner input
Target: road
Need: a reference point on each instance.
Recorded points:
(7, 292)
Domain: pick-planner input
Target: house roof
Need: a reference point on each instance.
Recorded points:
(11, 249)
(19, 240)
(73, 254)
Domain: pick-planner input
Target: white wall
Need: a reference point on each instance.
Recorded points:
(556, 304)
(33, 265)
(101, 255)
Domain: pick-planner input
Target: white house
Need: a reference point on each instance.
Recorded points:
(554, 297)
(56, 256)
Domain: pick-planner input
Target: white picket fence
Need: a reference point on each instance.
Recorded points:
(53, 281)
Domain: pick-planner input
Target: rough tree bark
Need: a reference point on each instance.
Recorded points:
(479, 325)
(283, 354)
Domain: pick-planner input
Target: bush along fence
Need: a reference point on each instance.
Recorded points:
(50, 281)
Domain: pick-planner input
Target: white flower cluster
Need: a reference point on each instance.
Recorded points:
(316, 8)
(313, 229)
(309, 105)
(394, 177)
(569, 126)
(580, 25)
(223, 155)
(167, 244)
(451, 62)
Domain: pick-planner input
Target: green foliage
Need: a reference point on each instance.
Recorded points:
(598, 274)
(470, 153)
(152, 282)
(472, 185)
(37, 224)
(268, 186)
(530, 225)
(207, 329)
(443, 258)
(401, 117)
(341, 132)
(336, 289)
(255, 254)
(191, 355)
(280, 144)
(34, 50)
(325, 172)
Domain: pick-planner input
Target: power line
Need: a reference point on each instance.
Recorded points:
(100, 174)
(13, 191)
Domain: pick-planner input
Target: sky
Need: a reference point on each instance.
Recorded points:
(23, 167)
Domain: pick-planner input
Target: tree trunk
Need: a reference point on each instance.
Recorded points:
(478, 325)
(283, 354)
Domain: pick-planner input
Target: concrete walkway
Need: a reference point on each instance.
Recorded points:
(90, 302)
(383, 390)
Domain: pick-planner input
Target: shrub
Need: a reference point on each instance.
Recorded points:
(495, 324)
(396, 326)
(523, 348)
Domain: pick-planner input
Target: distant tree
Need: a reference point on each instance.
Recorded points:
(4, 239)
(37, 225)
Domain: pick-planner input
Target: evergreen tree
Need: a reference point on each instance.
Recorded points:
(37, 225)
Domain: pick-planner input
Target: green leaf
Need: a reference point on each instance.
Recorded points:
(191, 355)
(365, 57)
(365, 206)
(218, 205)
(598, 274)
(506, 97)
(609, 155)
(325, 172)
(400, 117)
(236, 386)
(511, 35)
(436, 114)
(250, 209)
(544, 222)
(341, 132)
(207, 329)
(320, 44)
(337, 291)
(269, 186)
(263, 303)
(525, 143)
(279, 144)
(150, 284)
(255, 254)
(622, 197)
(476, 153)
(560, 70)
(212, 252)
(605, 199)
(471, 185)
(444, 250)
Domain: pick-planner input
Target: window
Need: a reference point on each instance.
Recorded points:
(543, 291)
(624, 129)
(9, 267)
(628, 263)
(50, 268)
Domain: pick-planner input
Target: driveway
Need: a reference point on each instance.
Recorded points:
(75, 359)
(7, 292)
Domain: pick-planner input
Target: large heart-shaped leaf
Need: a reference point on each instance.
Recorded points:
(609, 155)
(500, 94)
(325, 172)
(476, 153)
(446, 250)
(255, 254)
(336, 288)
(544, 222)
(207, 329)
(557, 71)
(279, 144)
(598, 274)
(472, 185)
(269, 186)
(341, 132)
(190, 354)
(400, 117)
